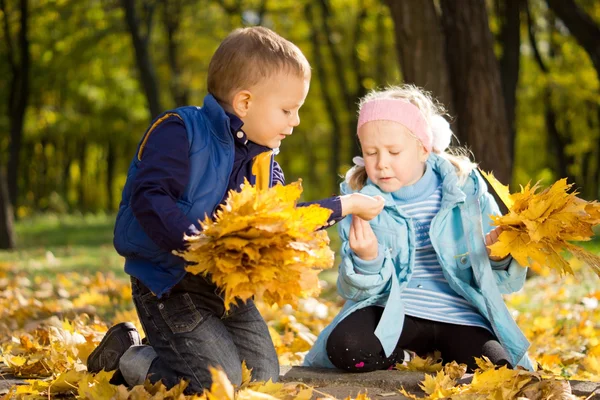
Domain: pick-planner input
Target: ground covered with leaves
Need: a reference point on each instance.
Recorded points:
(52, 316)
(49, 326)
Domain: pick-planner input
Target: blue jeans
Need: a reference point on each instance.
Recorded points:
(190, 331)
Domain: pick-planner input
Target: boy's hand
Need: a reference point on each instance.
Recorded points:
(490, 239)
(363, 206)
(363, 241)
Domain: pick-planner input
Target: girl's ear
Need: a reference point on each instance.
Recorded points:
(423, 153)
(241, 103)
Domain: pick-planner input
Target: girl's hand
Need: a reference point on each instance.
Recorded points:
(363, 206)
(490, 239)
(363, 241)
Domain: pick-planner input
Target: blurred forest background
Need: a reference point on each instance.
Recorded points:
(80, 80)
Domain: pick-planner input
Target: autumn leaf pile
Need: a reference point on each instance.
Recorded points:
(260, 244)
(50, 323)
(488, 382)
(541, 224)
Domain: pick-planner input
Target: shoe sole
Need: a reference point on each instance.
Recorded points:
(123, 327)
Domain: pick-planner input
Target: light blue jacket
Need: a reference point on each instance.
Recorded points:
(457, 235)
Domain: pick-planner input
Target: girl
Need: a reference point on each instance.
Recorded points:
(418, 277)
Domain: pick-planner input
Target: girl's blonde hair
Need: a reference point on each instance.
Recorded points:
(356, 177)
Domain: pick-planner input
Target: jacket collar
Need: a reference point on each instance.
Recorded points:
(217, 118)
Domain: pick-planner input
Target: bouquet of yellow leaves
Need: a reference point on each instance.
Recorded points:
(260, 244)
(540, 225)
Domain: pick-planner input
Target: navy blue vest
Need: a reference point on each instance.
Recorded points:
(211, 155)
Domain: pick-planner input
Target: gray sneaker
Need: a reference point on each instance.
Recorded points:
(114, 344)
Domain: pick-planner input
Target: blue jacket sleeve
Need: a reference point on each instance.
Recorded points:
(358, 280)
(161, 180)
(511, 277)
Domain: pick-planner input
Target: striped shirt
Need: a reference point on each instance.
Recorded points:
(428, 294)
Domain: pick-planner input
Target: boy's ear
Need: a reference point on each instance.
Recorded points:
(241, 103)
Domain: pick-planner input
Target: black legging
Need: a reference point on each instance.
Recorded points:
(353, 346)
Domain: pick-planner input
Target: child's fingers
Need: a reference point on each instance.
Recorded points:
(488, 240)
(353, 230)
(358, 227)
(367, 230)
(494, 234)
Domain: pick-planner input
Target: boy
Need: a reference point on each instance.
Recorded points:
(184, 166)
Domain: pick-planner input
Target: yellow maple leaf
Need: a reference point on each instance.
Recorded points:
(592, 364)
(438, 386)
(96, 386)
(221, 388)
(362, 396)
(260, 244)
(246, 374)
(455, 370)
(541, 224)
(269, 387)
(502, 190)
(249, 394)
(431, 363)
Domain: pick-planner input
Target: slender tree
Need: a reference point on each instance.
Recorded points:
(582, 27)
(140, 42)
(556, 140)
(18, 93)
(172, 15)
(326, 93)
(7, 236)
(510, 38)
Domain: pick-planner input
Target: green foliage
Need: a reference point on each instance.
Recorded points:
(88, 110)
(574, 91)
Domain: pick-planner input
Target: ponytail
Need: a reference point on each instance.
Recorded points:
(356, 177)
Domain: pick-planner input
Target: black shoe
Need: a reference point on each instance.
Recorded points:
(114, 344)
(118, 379)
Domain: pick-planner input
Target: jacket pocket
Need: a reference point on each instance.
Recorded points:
(394, 240)
(463, 261)
(180, 313)
(464, 269)
(137, 238)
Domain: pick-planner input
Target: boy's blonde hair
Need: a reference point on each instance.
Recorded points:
(249, 55)
(356, 177)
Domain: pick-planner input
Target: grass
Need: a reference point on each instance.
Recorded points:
(50, 243)
(78, 243)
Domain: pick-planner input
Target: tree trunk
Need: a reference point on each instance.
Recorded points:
(556, 143)
(476, 86)
(594, 179)
(7, 236)
(142, 55)
(110, 174)
(172, 12)
(350, 97)
(582, 27)
(380, 63)
(18, 94)
(81, 189)
(421, 48)
(510, 37)
(336, 126)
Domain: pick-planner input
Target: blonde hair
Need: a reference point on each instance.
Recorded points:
(356, 177)
(249, 55)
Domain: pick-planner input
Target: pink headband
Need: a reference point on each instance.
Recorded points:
(400, 111)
